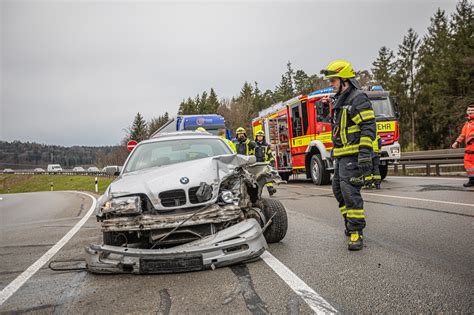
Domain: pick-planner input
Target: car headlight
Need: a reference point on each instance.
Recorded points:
(124, 205)
(228, 197)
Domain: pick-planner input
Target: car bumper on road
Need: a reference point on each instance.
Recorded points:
(391, 152)
(241, 242)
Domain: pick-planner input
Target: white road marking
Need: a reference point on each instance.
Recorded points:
(318, 304)
(11, 288)
(397, 197)
(1, 198)
(430, 178)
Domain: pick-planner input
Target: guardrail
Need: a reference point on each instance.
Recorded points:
(430, 158)
(64, 172)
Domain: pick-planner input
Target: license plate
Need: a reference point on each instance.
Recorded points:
(169, 265)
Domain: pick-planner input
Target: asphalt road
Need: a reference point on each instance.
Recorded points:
(418, 258)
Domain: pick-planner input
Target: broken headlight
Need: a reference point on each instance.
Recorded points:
(228, 197)
(123, 205)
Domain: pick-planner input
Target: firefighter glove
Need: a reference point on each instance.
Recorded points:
(365, 164)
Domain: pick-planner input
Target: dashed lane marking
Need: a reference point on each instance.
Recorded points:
(395, 197)
(16, 284)
(318, 304)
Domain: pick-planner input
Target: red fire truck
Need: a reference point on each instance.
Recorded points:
(299, 133)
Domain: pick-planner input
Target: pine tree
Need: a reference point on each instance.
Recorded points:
(433, 102)
(285, 90)
(384, 67)
(212, 102)
(405, 86)
(302, 82)
(138, 131)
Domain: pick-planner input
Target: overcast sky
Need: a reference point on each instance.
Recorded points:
(76, 72)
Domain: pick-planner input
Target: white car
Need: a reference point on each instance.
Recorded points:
(54, 168)
(93, 169)
(78, 169)
(8, 171)
(184, 201)
(39, 170)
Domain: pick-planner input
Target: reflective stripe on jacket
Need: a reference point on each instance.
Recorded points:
(353, 123)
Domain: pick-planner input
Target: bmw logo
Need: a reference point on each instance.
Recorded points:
(184, 180)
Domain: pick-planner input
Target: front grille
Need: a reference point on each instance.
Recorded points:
(192, 195)
(173, 198)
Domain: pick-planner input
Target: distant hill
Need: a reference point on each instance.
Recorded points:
(27, 155)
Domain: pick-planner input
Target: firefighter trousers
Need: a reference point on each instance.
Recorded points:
(469, 164)
(346, 185)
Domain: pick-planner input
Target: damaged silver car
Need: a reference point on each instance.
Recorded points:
(184, 201)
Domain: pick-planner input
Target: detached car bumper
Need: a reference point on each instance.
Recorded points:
(241, 242)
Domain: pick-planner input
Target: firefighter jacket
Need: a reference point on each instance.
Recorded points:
(244, 147)
(230, 143)
(263, 153)
(353, 124)
(467, 134)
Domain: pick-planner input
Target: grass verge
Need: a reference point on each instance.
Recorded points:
(16, 183)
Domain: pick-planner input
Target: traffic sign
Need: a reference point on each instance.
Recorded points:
(131, 144)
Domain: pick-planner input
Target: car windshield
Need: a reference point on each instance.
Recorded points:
(383, 108)
(167, 152)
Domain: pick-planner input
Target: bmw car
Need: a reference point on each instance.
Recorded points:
(183, 202)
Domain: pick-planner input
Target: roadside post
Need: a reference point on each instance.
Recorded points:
(96, 185)
(52, 186)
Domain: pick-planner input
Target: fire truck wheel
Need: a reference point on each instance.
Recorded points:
(319, 174)
(273, 209)
(383, 170)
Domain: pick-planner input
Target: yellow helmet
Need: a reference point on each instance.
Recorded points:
(260, 133)
(240, 130)
(340, 69)
(200, 129)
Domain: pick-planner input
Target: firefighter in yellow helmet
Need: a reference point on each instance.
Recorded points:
(263, 153)
(353, 132)
(221, 134)
(243, 145)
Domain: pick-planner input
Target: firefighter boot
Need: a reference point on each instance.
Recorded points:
(377, 184)
(356, 240)
(470, 183)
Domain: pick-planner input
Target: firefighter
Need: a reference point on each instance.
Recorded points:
(221, 134)
(243, 145)
(353, 131)
(467, 134)
(263, 153)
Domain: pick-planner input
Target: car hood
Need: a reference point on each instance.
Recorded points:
(152, 181)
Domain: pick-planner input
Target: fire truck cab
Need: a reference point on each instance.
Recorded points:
(300, 136)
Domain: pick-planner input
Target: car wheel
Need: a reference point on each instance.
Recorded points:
(319, 174)
(113, 239)
(273, 209)
(383, 170)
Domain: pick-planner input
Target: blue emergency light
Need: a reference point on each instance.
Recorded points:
(322, 91)
(376, 88)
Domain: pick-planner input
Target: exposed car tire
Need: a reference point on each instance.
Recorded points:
(276, 231)
(111, 238)
(383, 170)
(319, 174)
(285, 175)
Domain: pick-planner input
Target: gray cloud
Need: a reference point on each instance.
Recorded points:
(77, 72)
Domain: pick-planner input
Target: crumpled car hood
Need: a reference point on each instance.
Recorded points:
(152, 181)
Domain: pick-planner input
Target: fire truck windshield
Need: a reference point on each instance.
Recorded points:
(383, 108)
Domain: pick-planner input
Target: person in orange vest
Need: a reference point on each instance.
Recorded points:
(467, 135)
